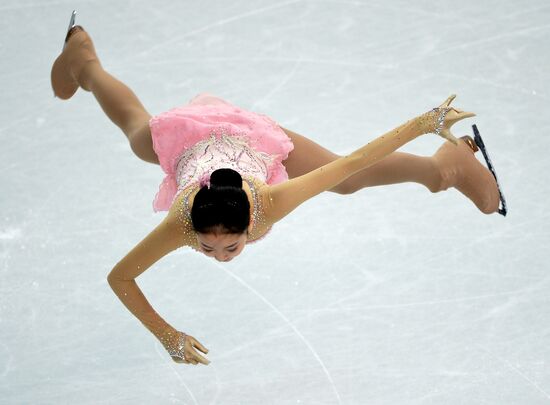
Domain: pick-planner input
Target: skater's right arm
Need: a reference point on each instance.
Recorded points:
(165, 238)
(153, 247)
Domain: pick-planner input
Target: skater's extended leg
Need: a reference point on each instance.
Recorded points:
(79, 66)
(451, 166)
(122, 106)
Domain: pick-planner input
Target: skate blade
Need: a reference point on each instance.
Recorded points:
(481, 145)
(71, 25)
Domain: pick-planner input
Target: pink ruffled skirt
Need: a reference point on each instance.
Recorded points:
(178, 129)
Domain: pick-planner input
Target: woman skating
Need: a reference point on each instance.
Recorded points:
(231, 173)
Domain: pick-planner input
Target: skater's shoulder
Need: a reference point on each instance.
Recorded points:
(179, 216)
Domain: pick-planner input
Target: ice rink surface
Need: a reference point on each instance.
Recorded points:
(392, 295)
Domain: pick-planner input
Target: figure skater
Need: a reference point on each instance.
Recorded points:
(231, 173)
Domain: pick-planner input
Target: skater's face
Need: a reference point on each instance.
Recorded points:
(222, 247)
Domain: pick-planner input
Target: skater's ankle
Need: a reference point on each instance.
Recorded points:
(88, 74)
(435, 180)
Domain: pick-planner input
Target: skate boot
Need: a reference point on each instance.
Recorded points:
(78, 50)
(459, 168)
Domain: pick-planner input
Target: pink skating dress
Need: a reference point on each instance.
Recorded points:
(209, 133)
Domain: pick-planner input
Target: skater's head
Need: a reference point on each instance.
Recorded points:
(221, 215)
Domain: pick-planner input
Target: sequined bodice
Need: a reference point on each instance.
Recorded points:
(221, 150)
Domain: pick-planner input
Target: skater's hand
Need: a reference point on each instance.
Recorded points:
(181, 348)
(440, 119)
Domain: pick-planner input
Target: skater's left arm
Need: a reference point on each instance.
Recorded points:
(281, 199)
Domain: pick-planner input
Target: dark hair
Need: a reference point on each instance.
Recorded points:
(222, 208)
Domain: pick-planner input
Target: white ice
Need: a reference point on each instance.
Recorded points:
(392, 295)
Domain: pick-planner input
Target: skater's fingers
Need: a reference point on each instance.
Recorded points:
(193, 354)
(449, 100)
(453, 117)
(457, 115)
(445, 133)
(199, 346)
(198, 358)
(463, 115)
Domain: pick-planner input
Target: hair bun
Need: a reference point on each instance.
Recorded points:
(226, 178)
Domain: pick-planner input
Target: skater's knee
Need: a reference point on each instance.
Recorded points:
(142, 144)
(345, 187)
(438, 182)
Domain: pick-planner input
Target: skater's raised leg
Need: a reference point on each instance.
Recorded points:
(450, 166)
(79, 66)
